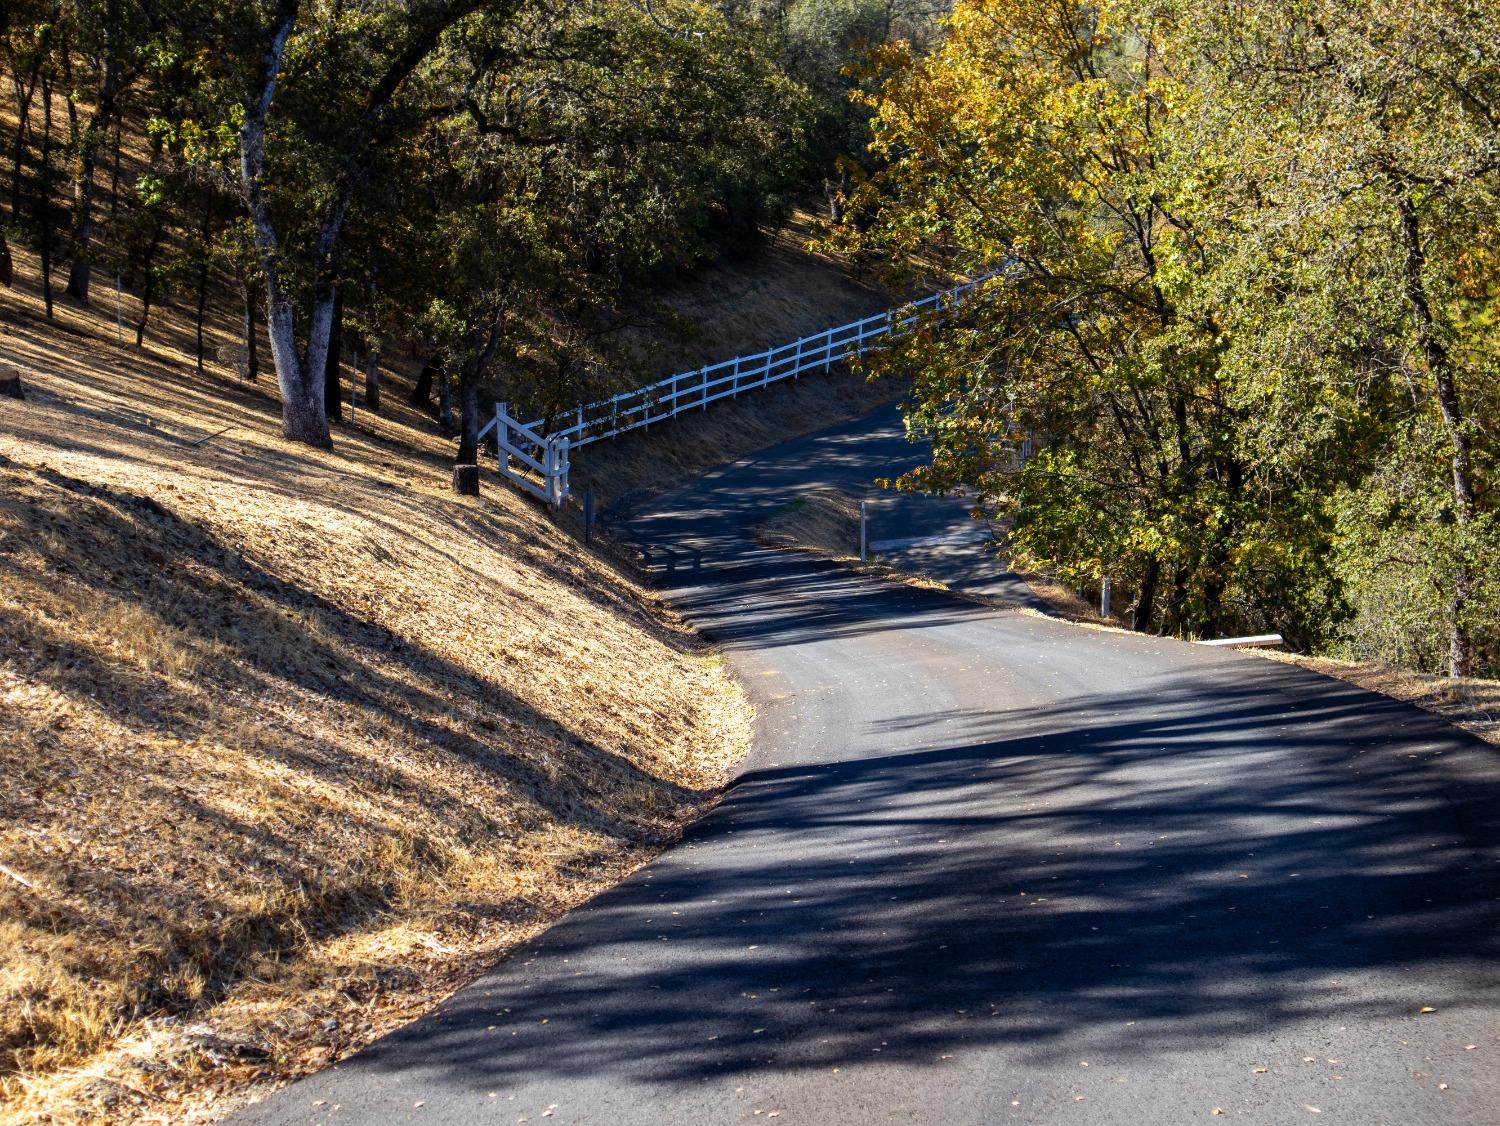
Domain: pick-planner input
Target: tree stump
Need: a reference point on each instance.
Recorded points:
(466, 480)
(10, 382)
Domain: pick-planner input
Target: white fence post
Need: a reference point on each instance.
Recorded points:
(560, 467)
(502, 439)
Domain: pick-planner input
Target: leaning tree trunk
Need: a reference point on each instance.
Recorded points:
(24, 96)
(1445, 383)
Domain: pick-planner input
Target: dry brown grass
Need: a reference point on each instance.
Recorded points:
(825, 522)
(783, 294)
(294, 741)
(1472, 703)
(736, 307)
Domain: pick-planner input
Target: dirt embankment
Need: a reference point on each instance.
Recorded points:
(294, 741)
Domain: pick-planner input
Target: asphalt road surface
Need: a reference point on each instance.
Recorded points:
(985, 866)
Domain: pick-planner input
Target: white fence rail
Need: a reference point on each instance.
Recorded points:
(547, 455)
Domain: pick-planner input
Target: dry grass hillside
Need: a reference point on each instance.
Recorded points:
(734, 307)
(740, 309)
(293, 741)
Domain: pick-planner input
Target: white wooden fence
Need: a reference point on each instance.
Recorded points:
(542, 459)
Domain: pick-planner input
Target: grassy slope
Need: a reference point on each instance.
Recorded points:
(295, 741)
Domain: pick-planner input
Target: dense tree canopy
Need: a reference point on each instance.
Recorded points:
(499, 179)
(1242, 301)
(1242, 260)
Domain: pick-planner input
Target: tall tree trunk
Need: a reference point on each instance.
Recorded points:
(1145, 602)
(148, 280)
(7, 267)
(88, 157)
(204, 255)
(44, 195)
(249, 332)
(421, 392)
(299, 375)
(1177, 601)
(478, 362)
(333, 403)
(114, 172)
(372, 378)
(24, 97)
(468, 413)
(303, 417)
(1445, 383)
(79, 271)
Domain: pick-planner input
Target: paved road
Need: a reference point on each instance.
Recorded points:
(989, 867)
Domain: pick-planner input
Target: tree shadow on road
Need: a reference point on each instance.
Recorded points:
(1146, 873)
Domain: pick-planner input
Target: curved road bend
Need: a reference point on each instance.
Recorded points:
(986, 867)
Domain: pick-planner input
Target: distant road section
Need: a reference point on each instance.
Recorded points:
(987, 867)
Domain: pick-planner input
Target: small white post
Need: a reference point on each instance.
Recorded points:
(734, 385)
(864, 521)
(560, 466)
(797, 360)
(1104, 597)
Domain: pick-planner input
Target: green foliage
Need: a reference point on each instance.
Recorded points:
(522, 171)
(1245, 304)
